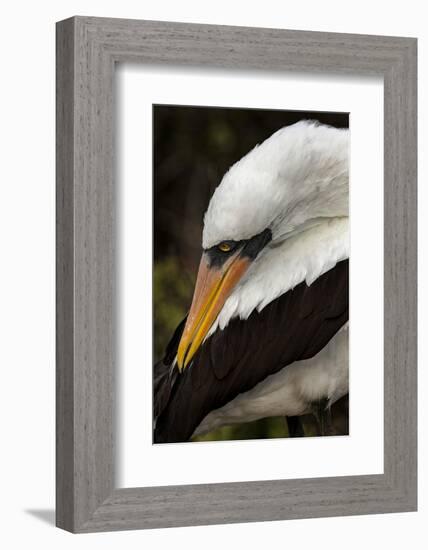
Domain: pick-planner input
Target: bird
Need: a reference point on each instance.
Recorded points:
(267, 329)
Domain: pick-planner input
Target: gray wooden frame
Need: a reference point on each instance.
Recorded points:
(87, 50)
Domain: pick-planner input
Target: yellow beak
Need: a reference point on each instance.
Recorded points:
(213, 286)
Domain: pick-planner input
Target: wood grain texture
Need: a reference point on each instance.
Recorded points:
(87, 49)
(64, 278)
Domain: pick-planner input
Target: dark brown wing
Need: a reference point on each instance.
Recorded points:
(295, 326)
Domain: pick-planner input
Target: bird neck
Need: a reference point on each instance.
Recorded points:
(303, 256)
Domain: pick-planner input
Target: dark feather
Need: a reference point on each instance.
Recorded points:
(164, 375)
(295, 326)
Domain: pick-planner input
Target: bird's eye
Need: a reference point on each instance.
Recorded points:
(224, 247)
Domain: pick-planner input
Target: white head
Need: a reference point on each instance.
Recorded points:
(297, 175)
(294, 180)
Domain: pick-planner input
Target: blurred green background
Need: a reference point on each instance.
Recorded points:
(193, 148)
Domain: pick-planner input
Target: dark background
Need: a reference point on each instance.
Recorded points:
(193, 148)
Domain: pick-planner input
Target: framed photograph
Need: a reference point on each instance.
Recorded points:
(236, 274)
(250, 274)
